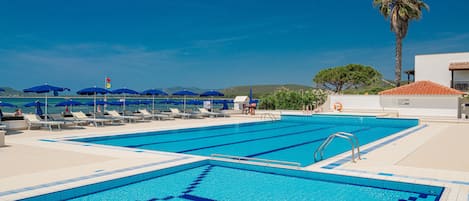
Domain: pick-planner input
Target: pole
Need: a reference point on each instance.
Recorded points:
(153, 107)
(46, 107)
(184, 103)
(94, 108)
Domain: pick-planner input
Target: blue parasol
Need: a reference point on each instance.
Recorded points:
(2, 104)
(212, 93)
(153, 93)
(124, 91)
(2, 89)
(46, 88)
(194, 102)
(33, 104)
(93, 91)
(69, 102)
(184, 93)
(98, 102)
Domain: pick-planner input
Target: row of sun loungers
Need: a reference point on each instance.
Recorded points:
(80, 118)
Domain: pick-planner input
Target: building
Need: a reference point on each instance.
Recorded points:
(448, 69)
(418, 99)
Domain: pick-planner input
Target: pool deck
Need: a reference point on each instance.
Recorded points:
(38, 161)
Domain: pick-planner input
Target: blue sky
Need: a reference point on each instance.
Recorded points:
(210, 43)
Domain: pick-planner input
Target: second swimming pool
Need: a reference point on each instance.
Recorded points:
(294, 138)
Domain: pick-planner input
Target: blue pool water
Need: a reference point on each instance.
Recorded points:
(216, 180)
(294, 138)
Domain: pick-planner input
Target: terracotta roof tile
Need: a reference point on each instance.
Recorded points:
(459, 66)
(422, 88)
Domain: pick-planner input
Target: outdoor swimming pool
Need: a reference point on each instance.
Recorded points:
(216, 180)
(294, 138)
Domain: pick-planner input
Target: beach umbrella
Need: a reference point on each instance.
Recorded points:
(68, 103)
(93, 91)
(145, 102)
(153, 93)
(45, 89)
(2, 89)
(184, 93)
(194, 102)
(124, 91)
(2, 104)
(33, 104)
(98, 102)
(211, 93)
(39, 110)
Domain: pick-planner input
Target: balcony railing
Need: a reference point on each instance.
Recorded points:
(461, 85)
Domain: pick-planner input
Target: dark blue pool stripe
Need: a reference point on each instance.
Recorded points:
(167, 132)
(194, 198)
(299, 144)
(256, 139)
(213, 136)
(198, 180)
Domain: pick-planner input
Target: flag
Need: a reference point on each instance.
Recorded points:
(108, 83)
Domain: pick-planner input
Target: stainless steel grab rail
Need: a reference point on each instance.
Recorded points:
(319, 153)
(267, 161)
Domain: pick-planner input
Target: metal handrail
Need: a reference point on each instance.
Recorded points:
(268, 115)
(348, 136)
(267, 161)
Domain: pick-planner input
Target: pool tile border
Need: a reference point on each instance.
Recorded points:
(92, 176)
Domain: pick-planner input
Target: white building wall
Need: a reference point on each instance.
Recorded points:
(436, 106)
(356, 101)
(432, 106)
(435, 67)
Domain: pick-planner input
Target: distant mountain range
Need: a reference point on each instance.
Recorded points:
(257, 90)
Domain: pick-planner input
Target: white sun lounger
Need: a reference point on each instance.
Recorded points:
(34, 120)
(147, 114)
(178, 114)
(115, 114)
(207, 113)
(67, 121)
(83, 117)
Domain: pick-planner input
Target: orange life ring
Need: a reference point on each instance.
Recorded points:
(338, 106)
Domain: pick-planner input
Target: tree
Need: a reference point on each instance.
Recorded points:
(400, 13)
(284, 98)
(340, 78)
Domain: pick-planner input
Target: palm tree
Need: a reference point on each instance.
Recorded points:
(400, 13)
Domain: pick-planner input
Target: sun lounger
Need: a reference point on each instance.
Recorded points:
(178, 114)
(115, 114)
(94, 121)
(34, 120)
(67, 121)
(207, 113)
(147, 114)
(109, 117)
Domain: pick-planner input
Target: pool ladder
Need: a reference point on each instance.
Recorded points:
(319, 153)
(268, 116)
